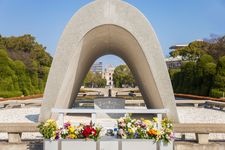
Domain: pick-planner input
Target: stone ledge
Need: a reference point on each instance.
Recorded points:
(199, 128)
(25, 145)
(15, 130)
(178, 145)
(18, 127)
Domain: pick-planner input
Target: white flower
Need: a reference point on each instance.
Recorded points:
(52, 138)
(64, 131)
(129, 125)
(123, 124)
(120, 131)
(133, 120)
(121, 120)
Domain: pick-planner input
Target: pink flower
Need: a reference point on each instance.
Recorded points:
(67, 124)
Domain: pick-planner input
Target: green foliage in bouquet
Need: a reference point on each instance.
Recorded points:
(48, 128)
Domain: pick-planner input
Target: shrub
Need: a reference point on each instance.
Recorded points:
(216, 93)
(7, 94)
(24, 66)
(219, 79)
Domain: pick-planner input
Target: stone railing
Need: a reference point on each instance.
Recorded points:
(201, 130)
(205, 103)
(15, 130)
(195, 103)
(20, 103)
(93, 112)
(215, 104)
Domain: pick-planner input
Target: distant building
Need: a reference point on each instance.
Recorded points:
(97, 67)
(173, 47)
(173, 62)
(177, 61)
(108, 75)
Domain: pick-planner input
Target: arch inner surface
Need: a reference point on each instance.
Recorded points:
(111, 39)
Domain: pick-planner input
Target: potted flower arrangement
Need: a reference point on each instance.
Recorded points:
(64, 138)
(132, 134)
(145, 133)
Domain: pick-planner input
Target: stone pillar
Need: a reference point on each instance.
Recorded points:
(202, 138)
(14, 137)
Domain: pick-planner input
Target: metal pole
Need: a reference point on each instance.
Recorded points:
(93, 118)
(61, 119)
(159, 116)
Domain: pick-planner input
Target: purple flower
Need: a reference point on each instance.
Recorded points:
(136, 135)
(67, 124)
(57, 134)
(143, 125)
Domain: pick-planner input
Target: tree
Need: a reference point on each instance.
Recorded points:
(194, 77)
(89, 79)
(99, 81)
(206, 69)
(8, 79)
(122, 76)
(192, 52)
(214, 47)
(26, 64)
(94, 80)
(217, 47)
(202, 71)
(219, 79)
(24, 79)
(188, 72)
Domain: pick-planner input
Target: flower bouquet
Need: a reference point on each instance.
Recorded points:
(69, 136)
(50, 130)
(144, 134)
(129, 128)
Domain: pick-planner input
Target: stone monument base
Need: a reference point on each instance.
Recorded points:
(109, 103)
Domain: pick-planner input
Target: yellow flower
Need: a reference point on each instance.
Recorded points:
(71, 129)
(155, 119)
(147, 122)
(72, 136)
(130, 130)
(54, 134)
(46, 124)
(50, 121)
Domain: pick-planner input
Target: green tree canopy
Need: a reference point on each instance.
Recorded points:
(24, 66)
(194, 77)
(218, 88)
(191, 52)
(94, 80)
(213, 47)
(203, 68)
(123, 77)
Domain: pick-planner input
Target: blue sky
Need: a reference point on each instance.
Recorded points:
(174, 21)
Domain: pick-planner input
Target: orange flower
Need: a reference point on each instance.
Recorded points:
(153, 132)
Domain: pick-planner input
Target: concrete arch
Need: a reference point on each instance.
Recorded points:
(108, 27)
